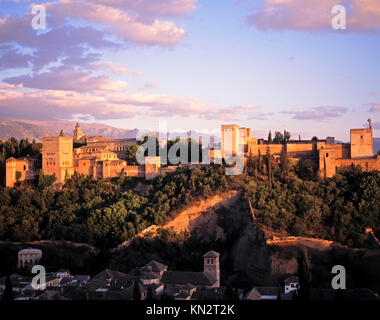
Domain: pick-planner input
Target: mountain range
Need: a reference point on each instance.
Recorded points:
(38, 129)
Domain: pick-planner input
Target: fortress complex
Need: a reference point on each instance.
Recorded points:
(106, 158)
(96, 156)
(325, 155)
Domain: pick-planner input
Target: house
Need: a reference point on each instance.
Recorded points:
(29, 257)
(291, 284)
(264, 293)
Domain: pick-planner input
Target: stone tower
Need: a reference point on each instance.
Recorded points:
(77, 133)
(362, 142)
(211, 267)
(57, 156)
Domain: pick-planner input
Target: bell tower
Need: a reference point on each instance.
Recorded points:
(77, 133)
(211, 267)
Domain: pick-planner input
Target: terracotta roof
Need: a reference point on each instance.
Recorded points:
(184, 277)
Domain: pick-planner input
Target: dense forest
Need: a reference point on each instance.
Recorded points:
(292, 198)
(98, 212)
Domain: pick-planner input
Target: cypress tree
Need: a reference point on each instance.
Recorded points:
(304, 275)
(8, 291)
(136, 291)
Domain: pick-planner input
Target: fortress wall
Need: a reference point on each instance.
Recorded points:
(301, 150)
(342, 151)
(273, 148)
(367, 164)
(135, 171)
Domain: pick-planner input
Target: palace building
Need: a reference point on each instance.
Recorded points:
(97, 156)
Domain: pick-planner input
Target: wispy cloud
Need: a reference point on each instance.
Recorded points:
(318, 113)
(67, 79)
(314, 15)
(373, 106)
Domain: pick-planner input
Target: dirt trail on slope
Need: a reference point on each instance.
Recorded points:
(200, 217)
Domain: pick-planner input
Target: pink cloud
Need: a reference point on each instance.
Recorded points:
(121, 23)
(373, 106)
(301, 15)
(116, 68)
(149, 86)
(164, 8)
(318, 113)
(66, 79)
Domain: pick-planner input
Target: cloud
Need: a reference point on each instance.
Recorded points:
(149, 86)
(314, 15)
(236, 113)
(373, 106)
(11, 57)
(124, 24)
(66, 79)
(106, 105)
(163, 8)
(104, 24)
(376, 125)
(318, 113)
(116, 68)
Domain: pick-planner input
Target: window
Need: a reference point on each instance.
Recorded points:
(24, 167)
(327, 155)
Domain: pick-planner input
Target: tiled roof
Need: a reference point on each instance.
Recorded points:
(257, 292)
(184, 277)
(211, 254)
(155, 267)
(291, 279)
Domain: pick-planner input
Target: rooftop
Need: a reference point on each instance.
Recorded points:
(185, 277)
(211, 254)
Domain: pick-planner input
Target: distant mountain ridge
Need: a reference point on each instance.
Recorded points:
(376, 145)
(32, 129)
(39, 129)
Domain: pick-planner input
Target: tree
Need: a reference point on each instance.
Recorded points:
(304, 275)
(269, 167)
(284, 163)
(314, 138)
(130, 155)
(8, 291)
(287, 136)
(270, 137)
(228, 293)
(278, 137)
(18, 175)
(149, 294)
(45, 181)
(136, 291)
(62, 134)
